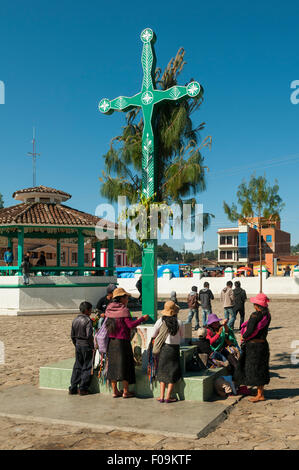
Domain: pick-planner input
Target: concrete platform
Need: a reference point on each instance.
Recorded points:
(50, 295)
(184, 419)
(194, 386)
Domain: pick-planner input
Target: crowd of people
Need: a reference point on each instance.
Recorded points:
(233, 303)
(247, 364)
(26, 263)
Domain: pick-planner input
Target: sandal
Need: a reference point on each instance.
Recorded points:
(161, 400)
(171, 400)
(118, 395)
(129, 395)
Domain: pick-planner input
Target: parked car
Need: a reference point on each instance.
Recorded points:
(216, 271)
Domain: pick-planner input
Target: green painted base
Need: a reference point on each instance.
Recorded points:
(193, 386)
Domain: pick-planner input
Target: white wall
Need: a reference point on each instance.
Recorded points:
(50, 300)
(273, 285)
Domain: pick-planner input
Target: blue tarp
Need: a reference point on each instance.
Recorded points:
(128, 272)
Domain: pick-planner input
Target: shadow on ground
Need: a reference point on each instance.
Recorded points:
(281, 393)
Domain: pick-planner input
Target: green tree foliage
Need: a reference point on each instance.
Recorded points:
(256, 199)
(295, 249)
(181, 169)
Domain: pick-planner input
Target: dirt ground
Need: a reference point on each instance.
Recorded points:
(31, 342)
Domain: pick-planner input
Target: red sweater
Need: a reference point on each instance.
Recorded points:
(123, 327)
(212, 336)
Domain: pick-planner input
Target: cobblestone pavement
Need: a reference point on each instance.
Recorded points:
(274, 424)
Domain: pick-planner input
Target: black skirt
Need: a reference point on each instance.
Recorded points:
(253, 366)
(169, 367)
(120, 361)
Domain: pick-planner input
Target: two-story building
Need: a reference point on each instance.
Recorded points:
(239, 246)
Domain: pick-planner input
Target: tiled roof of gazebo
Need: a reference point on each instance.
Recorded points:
(38, 210)
(42, 189)
(46, 214)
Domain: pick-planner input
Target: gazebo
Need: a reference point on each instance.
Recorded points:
(41, 215)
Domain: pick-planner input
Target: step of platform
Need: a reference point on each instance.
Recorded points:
(195, 386)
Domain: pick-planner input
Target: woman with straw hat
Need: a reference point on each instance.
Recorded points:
(253, 366)
(169, 369)
(119, 352)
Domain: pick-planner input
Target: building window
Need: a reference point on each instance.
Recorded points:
(243, 252)
(63, 257)
(74, 258)
(86, 258)
(269, 238)
(222, 240)
(229, 255)
(229, 240)
(222, 254)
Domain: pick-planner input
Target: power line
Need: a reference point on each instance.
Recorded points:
(265, 164)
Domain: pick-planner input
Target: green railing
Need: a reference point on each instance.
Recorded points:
(58, 271)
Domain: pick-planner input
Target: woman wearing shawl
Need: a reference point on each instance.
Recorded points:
(169, 369)
(253, 366)
(119, 352)
(222, 341)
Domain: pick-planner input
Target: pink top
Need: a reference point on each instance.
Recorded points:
(123, 327)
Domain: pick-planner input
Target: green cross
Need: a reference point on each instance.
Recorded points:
(146, 99)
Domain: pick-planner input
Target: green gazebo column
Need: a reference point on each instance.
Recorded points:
(9, 242)
(98, 254)
(20, 248)
(81, 251)
(10, 245)
(58, 255)
(111, 257)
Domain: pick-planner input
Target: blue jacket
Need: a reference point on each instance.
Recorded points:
(8, 257)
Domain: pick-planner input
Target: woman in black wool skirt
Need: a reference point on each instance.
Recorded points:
(169, 368)
(119, 352)
(253, 366)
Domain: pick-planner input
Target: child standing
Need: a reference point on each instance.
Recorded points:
(82, 337)
(26, 269)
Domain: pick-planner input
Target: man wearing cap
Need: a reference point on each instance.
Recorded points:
(104, 301)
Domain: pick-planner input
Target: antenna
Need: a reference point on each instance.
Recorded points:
(33, 154)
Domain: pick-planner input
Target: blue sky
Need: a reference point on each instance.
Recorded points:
(58, 59)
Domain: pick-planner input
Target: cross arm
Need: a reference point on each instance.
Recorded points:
(122, 103)
(178, 92)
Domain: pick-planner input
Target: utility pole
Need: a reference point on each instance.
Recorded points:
(33, 154)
